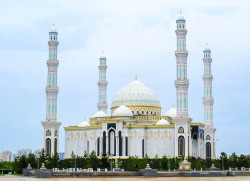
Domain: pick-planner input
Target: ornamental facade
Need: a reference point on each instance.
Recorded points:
(137, 126)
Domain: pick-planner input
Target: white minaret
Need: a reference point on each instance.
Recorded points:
(208, 102)
(102, 83)
(51, 125)
(183, 144)
(181, 83)
(208, 99)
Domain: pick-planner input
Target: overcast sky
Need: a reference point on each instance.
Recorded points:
(138, 37)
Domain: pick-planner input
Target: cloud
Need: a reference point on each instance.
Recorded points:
(137, 37)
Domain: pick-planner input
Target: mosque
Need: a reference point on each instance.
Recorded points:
(136, 126)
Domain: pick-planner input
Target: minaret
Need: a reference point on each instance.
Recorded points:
(51, 125)
(208, 102)
(208, 99)
(183, 144)
(181, 83)
(102, 83)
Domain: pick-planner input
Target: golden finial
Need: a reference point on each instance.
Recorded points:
(54, 26)
(135, 77)
(100, 108)
(180, 12)
(206, 44)
(103, 52)
(84, 118)
(173, 105)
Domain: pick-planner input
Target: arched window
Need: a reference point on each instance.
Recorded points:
(181, 146)
(184, 73)
(195, 136)
(48, 146)
(104, 142)
(180, 71)
(180, 103)
(55, 146)
(112, 143)
(54, 37)
(208, 150)
(185, 103)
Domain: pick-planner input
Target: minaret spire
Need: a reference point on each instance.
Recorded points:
(51, 125)
(208, 99)
(182, 82)
(102, 83)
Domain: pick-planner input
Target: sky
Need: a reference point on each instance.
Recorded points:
(137, 37)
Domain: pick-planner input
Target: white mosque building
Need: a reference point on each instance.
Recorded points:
(136, 126)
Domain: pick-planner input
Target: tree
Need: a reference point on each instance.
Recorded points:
(42, 157)
(105, 161)
(155, 164)
(93, 161)
(233, 160)
(31, 159)
(164, 163)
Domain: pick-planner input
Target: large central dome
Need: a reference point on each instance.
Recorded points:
(136, 94)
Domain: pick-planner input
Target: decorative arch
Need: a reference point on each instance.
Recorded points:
(208, 150)
(55, 146)
(181, 146)
(48, 146)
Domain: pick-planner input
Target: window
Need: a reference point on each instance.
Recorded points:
(208, 137)
(181, 146)
(48, 133)
(181, 130)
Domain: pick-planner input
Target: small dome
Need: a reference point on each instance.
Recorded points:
(53, 28)
(84, 123)
(172, 112)
(100, 114)
(122, 111)
(162, 122)
(207, 48)
(102, 55)
(180, 17)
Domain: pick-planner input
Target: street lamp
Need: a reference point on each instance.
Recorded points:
(111, 161)
(38, 156)
(222, 162)
(75, 162)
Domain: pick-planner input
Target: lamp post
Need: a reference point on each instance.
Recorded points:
(111, 161)
(75, 162)
(37, 156)
(222, 162)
